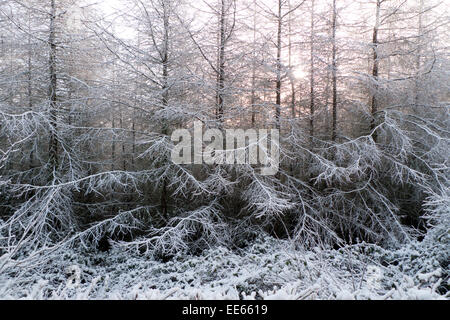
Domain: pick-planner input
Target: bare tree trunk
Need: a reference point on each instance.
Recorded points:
(113, 147)
(53, 143)
(327, 100)
(278, 81)
(30, 67)
(419, 55)
(133, 124)
(334, 72)
(253, 97)
(375, 72)
(133, 141)
(312, 78)
(165, 67)
(29, 82)
(165, 97)
(221, 66)
(124, 160)
(389, 59)
(292, 78)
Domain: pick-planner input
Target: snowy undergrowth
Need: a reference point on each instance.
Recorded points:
(267, 269)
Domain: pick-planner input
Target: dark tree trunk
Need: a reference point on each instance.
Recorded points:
(53, 141)
(312, 106)
(278, 82)
(375, 72)
(334, 72)
(221, 66)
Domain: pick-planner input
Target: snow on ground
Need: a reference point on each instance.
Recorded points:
(267, 269)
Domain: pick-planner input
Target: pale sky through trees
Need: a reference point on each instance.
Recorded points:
(351, 14)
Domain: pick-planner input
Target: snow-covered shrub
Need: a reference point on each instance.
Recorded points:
(269, 269)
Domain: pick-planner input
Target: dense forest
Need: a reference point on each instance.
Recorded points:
(91, 94)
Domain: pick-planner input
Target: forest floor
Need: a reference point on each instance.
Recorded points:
(266, 269)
